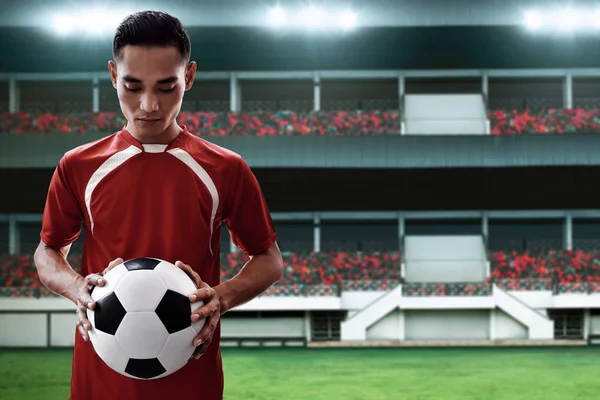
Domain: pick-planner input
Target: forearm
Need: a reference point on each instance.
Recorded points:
(255, 277)
(56, 273)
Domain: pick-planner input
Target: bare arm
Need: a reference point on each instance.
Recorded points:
(255, 277)
(56, 273)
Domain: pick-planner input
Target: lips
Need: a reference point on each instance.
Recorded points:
(148, 121)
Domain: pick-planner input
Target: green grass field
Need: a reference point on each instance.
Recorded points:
(345, 374)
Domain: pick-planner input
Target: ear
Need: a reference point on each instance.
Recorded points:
(190, 73)
(112, 68)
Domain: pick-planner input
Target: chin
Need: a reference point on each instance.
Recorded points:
(149, 129)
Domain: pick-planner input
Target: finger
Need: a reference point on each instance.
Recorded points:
(190, 272)
(82, 319)
(86, 300)
(82, 316)
(82, 322)
(202, 349)
(207, 330)
(205, 293)
(83, 333)
(207, 310)
(95, 279)
(112, 264)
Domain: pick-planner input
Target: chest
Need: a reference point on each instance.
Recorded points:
(157, 190)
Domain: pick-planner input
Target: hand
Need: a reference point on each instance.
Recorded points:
(211, 310)
(84, 299)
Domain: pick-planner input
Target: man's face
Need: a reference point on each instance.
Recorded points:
(150, 83)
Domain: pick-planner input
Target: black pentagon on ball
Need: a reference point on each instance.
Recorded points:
(108, 314)
(174, 311)
(141, 263)
(144, 368)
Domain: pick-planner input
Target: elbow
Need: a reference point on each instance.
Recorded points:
(278, 268)
(276, 263)
(42, 261)
(38, 261)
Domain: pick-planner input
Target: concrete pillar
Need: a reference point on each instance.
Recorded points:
(235, 90)
(568, 91)
(95, 94)
(485, 87)
(307, 326)
(13, 95)
(568, 234)
(13, 235)
(317, 92)
(317, 233)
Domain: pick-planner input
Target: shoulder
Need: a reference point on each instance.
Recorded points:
(86, 158)
(211, 154)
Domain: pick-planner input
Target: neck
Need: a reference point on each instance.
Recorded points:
(165, 137)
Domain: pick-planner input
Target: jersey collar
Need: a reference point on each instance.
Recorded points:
(154, 148)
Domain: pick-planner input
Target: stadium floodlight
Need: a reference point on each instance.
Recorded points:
(596, 19)
(567, 20)
(348, 19)
(63, 24)
(95, 22)
(102, 22)
(533, 20)
(312, 17)
(277, 16)
(563, 21)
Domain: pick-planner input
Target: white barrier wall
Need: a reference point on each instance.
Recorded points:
(452, 114)
(595, 325)
(457, 325)
(263, 327)
(354, 300)
(390, 327)
(23, 330)
(27, 322)
(51, 321)
(505, 327)
(444, 259)
(62, 330)
(447, 324)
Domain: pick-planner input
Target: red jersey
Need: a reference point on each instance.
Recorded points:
(162, 201)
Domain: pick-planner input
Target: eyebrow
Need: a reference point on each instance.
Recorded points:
(129, 78)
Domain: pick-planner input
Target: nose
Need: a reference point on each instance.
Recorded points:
(149, 103)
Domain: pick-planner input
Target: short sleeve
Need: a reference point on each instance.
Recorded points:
(62, 219)
(246, 214)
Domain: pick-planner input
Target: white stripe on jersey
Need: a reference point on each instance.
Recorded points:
(112, 163)
(188, 160)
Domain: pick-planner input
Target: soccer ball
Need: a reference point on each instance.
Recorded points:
(141, 324)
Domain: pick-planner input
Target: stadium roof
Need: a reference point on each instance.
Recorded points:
(249, 13)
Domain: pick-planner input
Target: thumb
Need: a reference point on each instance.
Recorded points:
(113, 264)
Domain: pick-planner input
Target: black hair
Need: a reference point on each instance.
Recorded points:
(151, 28)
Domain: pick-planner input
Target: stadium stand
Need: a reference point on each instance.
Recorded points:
(313, 123)
(326, 273)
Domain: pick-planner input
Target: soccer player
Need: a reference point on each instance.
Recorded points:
(154, 190)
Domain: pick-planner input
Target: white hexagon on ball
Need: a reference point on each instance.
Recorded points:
(142, 335)
(174, 278)
(109, 350)
(133, 284)
(112, 281)
(178, 349)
